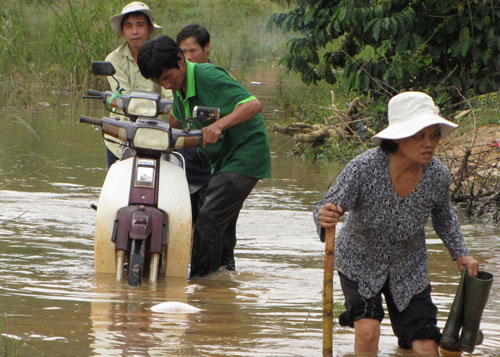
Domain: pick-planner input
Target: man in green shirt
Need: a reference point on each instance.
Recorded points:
(238, 161)
(198, 171)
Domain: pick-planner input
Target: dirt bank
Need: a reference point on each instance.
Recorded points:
(473, 158)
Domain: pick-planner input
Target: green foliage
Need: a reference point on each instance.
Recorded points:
(78, 33)
(49, 41)
(447, 48)
(300, 102)
(312, 104)
(334, 150)
(237, 28)
(485, 111)
(346, 150)
(487, 108)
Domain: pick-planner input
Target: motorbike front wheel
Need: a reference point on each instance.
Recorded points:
(136, 261)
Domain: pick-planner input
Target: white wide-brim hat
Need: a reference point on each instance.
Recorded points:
(410, 112)
(135, 6)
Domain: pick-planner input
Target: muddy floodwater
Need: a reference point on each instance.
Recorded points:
(52, 303)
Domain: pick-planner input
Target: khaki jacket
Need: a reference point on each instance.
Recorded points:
(131, 79)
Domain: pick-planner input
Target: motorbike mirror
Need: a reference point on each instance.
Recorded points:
(101, 68)
(207, 113)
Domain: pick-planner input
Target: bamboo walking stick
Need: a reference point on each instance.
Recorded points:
(328, 292)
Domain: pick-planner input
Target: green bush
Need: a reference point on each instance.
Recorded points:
(448, 49)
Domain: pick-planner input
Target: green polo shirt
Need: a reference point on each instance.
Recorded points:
(245, 147)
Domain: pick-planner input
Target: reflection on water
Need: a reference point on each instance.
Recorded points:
(51, 304)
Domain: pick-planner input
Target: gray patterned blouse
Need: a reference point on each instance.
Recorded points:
(383, 234)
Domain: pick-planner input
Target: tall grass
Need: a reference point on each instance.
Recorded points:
(49, 42)
(237, 27)
(54, 42)
(486, 111)
(9, 345)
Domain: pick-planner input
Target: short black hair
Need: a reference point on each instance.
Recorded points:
(389, 146)
(194, 30)
(157, 55)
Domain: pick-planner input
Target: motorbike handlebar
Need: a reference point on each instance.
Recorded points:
(90, 120)
(95, 93)
(189, 139)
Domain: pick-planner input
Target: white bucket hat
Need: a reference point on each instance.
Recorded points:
(135, 6)
(410, 112)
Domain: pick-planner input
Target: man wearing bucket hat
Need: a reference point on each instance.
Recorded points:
(390, 192)
(136, 24)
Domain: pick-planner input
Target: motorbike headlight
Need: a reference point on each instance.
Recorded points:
(151, 139)
(143, 107)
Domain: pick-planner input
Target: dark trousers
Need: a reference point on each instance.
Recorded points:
(229, 240)
(215, 227)
(197, 200)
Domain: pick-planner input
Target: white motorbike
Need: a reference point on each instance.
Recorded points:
(143, 220)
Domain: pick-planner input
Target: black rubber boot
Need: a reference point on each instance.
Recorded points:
(450, 336)
(477, 290)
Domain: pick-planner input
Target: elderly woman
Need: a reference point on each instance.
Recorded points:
(391, 191)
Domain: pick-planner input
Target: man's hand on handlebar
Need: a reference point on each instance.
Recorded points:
(211, 134)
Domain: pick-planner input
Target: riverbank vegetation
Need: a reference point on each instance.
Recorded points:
(327, 122)
(50, 42)
(448, 49)
(361, 53)
(376, 49)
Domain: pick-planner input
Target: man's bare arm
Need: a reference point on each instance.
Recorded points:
(240, 114)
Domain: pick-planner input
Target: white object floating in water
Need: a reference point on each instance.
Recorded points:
(175, 307)
(257, 83)
(43, 104)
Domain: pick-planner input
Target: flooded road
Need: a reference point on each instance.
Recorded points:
(52, 303)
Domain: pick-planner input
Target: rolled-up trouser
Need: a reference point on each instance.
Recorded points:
(418, 321)
(224, 198)
(229, 245)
